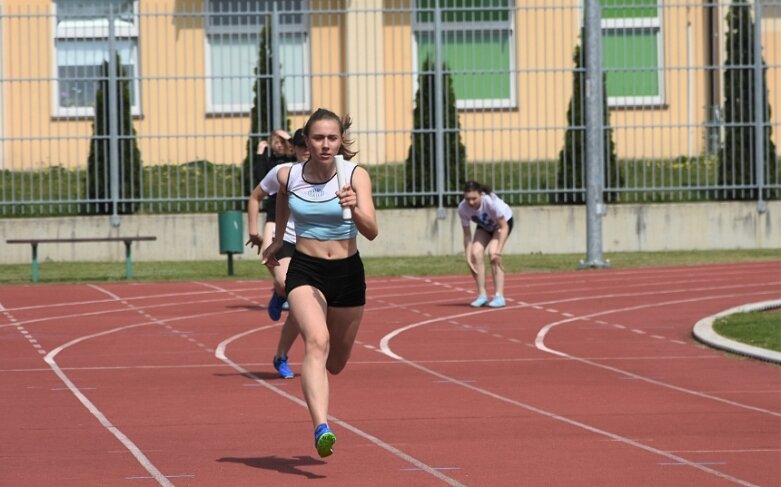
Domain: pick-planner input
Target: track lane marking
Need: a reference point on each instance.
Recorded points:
(418, 464)
(386, 349)
(542, 334)
(95, 411)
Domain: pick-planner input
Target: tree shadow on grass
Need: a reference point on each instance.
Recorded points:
(290, 466)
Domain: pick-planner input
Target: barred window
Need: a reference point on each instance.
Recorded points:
(477, 48)
(632, 52)
(82, 45)
(233, 38)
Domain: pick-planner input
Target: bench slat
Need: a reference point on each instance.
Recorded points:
(128, 241)
(76, 240)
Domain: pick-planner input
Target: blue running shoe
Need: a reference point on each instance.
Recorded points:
(286, 306)
(497, 302)
(480, 301)
(324, 440)
(280, 363)
(275, 306)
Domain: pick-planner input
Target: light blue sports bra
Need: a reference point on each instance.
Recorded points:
(315, 207)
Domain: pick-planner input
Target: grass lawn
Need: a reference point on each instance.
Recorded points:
(760, 329)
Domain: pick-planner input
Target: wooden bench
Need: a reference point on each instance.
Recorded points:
(34, 242)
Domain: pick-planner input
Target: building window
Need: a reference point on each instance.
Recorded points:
(82, 45)
(632, 52)
(477, 48)
(233, 37)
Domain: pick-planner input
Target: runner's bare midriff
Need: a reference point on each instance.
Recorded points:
(327, 249)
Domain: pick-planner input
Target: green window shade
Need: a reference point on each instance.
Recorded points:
(627, 9)
(631, 62)
(479, 62)
(454, 11)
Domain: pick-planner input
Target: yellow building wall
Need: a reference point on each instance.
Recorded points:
(175, 126)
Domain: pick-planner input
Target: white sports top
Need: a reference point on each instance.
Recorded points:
(316, 207)
(270, 185)
(487, 215)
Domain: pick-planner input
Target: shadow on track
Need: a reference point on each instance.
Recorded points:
(291, 466)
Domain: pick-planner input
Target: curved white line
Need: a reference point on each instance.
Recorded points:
(539, 342)
(102, 419)
(220, 354)
(385, 348)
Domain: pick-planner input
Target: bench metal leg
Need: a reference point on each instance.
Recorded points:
(128, 260)
(35, 262)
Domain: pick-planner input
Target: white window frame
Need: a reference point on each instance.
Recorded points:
(93, 30)
(509, 26)
(637, 24)
(253, 32)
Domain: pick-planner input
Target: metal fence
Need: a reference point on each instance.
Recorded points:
(440, 92)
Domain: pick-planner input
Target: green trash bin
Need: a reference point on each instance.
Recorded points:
(231, 227)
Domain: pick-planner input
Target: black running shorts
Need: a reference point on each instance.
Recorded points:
(342, 281)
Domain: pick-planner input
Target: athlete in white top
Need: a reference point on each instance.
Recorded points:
(268, 186)
(325, 283)
(494, 222)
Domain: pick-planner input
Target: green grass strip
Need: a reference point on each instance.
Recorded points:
(760, 328)
(250, 268)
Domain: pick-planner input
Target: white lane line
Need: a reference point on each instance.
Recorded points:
(117, 310)
(134, 298)
(751, 450)
(220, 354)
(97, 413)
(13, 322)
(102, 419)
(385, 347)
(542, 334)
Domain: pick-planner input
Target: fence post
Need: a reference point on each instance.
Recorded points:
(113, 122)
(439, 118)
(595, 141)
(759, 109)
(276, 76)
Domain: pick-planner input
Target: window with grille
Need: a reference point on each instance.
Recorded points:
(477, 48)
(82, 44)
(233, 38)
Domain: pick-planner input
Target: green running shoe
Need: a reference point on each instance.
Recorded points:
(324, 440)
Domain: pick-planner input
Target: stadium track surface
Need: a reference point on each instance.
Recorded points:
(585, 378)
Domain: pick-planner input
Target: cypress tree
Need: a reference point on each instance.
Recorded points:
(572, 157)
(261, 116)
(420, 165)
(99, 163)
(738, 157)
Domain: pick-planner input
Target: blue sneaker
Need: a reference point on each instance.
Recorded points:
(275, 306)
(497, 302)
(280, 363)
(286, 306)
(324, 440)
(480, 301)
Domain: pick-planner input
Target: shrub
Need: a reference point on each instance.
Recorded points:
(571, 172)
(261, 116)
(738, 157)
(420, 165)
(129, 164)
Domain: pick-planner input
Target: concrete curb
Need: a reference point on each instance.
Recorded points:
(703, 331)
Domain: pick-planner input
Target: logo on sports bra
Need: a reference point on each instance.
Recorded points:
(315, 193)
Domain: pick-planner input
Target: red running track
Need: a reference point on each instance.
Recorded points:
(586, 378)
